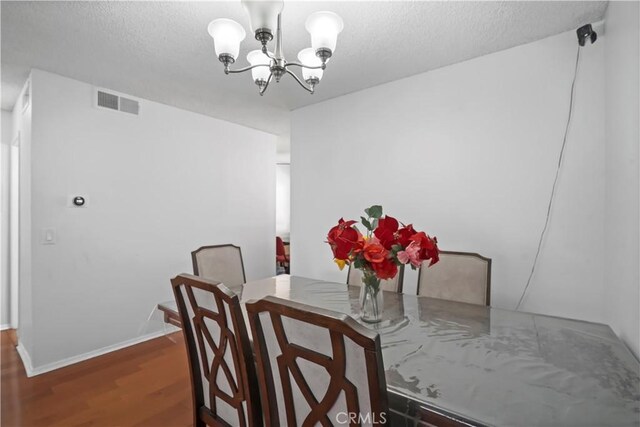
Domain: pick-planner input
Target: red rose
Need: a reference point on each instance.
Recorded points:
(374, 252)
(428, 247)
(434, 252)
(386, 230)
(343, 238)
(387, 269)
(404, 235)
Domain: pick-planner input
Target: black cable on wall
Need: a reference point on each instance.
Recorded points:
(584, 33)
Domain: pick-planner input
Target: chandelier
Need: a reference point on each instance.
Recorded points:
(264, 16)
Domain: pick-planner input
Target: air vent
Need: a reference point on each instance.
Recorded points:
(107, 100)
(117, 103)
(129, 105)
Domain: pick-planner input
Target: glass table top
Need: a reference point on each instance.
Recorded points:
(485, 365)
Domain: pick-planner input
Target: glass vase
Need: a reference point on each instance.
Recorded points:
(371, 300)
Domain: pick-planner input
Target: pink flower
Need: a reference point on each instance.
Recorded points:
(410, 254)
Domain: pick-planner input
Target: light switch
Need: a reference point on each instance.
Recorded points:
(49, 236)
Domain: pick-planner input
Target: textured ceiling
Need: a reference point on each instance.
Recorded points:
(161, 50)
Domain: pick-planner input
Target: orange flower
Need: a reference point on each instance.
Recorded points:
(373, 251)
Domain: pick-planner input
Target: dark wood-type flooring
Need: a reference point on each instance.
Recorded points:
(143, 385)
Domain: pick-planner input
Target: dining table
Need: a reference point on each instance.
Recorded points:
(452, 363)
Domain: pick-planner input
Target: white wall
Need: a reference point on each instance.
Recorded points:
(622, 215)
(283, 148)
(159, 185)
(468, 153)
(283, 200)
(6, 122)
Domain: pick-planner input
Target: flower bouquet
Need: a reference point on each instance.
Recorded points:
(386, 245)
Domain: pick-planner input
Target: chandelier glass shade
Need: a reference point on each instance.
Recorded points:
(256, 57)
(308, 56)
(263, 15)
(227, 35)
(265, 66)
(324, 28)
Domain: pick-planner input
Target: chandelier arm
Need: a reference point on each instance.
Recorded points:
(262, 91)
(266, 52)
(242, 70)
(292, 74)
(296, 64)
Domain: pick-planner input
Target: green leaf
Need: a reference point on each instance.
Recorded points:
(374, 211)
(366, 223)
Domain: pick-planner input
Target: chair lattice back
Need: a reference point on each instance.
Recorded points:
(315, 365)
(220, 359)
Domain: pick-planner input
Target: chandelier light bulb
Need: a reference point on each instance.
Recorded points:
(324, 28)
(308, 57)
(256, 57)
(227, 35)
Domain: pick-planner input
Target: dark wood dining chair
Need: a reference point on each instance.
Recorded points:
(222, 263)
(315, 366)
(223, 377)
(354, 278)
(458, 276)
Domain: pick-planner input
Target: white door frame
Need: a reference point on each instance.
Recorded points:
(14, 229)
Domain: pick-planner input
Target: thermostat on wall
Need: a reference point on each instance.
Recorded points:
(78, 201)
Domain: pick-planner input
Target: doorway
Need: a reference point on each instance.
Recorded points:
(283, 214)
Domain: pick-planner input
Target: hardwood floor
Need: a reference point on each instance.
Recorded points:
(142, 385)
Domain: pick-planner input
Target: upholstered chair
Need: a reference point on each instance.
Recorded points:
(282, 258)
(458, 276)
(223, 377)
(315, 366)
(222, 263)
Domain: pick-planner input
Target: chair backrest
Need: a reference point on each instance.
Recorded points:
(221, 363)
(222, 263)
(354, 278)
(280, 246)
(458, 276)
(315, 366)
